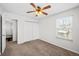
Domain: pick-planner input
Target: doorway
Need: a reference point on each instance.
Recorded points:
(11, 31)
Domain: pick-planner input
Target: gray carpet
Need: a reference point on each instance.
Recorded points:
(35, 48)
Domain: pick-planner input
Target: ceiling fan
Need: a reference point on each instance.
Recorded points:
(38, 10)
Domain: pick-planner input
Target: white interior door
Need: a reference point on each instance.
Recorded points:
(3, 35)
(27, 31)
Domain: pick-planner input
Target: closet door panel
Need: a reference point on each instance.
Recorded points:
(27, 31)
(35, 31)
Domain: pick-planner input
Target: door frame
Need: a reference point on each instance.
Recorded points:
(1, 33)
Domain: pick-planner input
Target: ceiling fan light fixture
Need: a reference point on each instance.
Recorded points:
(38, 13)
(38, 10)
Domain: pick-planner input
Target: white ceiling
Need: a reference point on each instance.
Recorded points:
(22, 8)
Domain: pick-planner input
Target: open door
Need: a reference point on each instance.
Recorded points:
(3, 35)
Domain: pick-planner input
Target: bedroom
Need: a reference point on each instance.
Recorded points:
(39, 32)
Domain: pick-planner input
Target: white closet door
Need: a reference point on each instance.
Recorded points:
(35, 31)
(27, 31)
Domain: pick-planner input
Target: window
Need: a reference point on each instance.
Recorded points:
(64, 27)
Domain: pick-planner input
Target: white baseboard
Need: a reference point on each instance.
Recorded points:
(25, 41)
(61, 46)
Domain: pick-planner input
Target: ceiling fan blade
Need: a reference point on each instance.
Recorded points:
(33, 5)
(45, 13)
(30, 11)
(46, 7)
